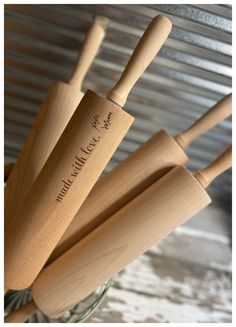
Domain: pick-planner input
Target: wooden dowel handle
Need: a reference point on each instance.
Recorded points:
(212, 117)
(147, 48)
(89, 50)
(21, 314)
(214, 169)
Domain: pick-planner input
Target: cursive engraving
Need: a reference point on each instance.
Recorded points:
(95, 122)
(107, 121)
(85, 152)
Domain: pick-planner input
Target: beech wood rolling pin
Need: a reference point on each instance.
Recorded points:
(143, 222)
(148, 163)
(55, 113)
(86, 145)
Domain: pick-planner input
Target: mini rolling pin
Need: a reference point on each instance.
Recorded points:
(131, 231)
(151, 161)
(55, 113)
(82, 152)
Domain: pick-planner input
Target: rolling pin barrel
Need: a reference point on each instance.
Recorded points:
(142, 168)
(57, 109)
(63, 184)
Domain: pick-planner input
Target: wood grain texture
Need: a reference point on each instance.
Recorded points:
(143, 167)
(189, 268)
(161, 288)
(147, 164)
(41, 220)
(52, 204)
(147, 219)
(55, 113)
(57, 109)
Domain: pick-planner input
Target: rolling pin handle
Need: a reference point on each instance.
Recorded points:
(147, 48)
(212, 117)
(215, 168)
(89, 50)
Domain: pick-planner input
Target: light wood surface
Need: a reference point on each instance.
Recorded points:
(53, 200)
(53, 116)
(22, 314)
(98, 125)
(61, 101)
(212, 117)
(147, 48)
(147, 164)
(217, 167)
(143, 222)
(154, 213)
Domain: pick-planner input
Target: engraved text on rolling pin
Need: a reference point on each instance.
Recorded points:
(99, 124)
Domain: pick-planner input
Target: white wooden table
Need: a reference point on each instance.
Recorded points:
(186, 278)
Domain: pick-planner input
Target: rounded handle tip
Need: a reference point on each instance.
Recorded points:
(102, 21)
(147, 48)
(165, 21)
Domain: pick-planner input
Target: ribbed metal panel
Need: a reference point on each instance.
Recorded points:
(190, 74)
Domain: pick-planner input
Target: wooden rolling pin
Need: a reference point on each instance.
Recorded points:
(151, 161)
(143, 222)
(55, 113)
(86, 145)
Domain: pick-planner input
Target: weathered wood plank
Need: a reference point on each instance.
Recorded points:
(157, 289)
(186, 278)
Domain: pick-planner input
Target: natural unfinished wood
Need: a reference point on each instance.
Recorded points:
(212, 117)
(54, 114)
(63, 184)
(143, 167)
(22, 314)
(147, 164)
(127, 234)
(61, 101)
(144, 221)
(131, 231)
(82, 152)
(151, 42)
(217, 167)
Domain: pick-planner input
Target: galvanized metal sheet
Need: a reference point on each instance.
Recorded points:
(190, 74)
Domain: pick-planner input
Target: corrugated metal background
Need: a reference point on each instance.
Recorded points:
(190, 74)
